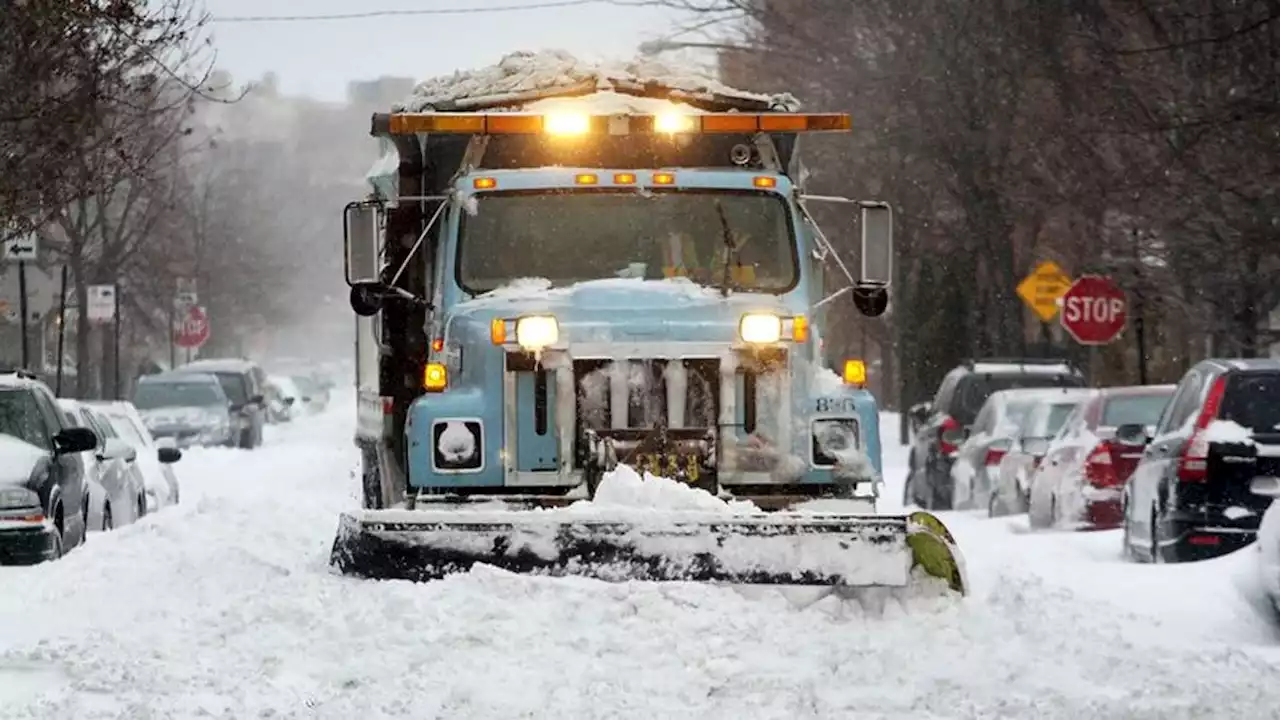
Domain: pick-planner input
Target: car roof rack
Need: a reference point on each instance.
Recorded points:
(1018, 361)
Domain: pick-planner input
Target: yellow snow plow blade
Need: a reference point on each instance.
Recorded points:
(784, 548)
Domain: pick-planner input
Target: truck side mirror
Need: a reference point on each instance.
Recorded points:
(871, 292)
(360, 243)
(877, 243)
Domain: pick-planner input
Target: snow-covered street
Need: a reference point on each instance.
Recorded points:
(224, 607)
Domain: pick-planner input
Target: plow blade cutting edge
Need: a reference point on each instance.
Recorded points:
(775, 549)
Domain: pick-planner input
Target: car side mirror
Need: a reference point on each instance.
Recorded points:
(1132, 434)
(919, 412)
(306, 398)
(169, 455)
(74, 440)
(257, 400)
(1266, 486)
(289, 401)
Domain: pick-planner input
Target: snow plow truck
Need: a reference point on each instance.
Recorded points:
(555, 279)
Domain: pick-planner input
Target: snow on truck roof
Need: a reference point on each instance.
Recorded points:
(539, 80)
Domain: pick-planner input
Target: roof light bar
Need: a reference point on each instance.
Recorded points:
(583, 124)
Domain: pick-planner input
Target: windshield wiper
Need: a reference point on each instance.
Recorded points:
(731, 249)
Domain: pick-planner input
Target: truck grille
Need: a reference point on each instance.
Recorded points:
(645, 382)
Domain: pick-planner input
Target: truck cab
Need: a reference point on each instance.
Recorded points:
(544, 295)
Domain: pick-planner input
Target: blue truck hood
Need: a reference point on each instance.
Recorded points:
(604, 310)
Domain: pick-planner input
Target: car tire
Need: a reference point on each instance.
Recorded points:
(107, 522)
(142, 506)
(246, 440)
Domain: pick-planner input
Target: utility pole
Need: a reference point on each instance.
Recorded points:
(62, 332)
(22, 310)
(115, 346)
(1139, 308)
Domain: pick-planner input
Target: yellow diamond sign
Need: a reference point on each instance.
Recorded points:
(1043, 288)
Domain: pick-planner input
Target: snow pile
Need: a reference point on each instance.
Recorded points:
(623, 487)
(1227, 432)
(522, 77)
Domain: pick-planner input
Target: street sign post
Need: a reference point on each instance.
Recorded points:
(193, 330)
(102, 303)
(1094, 310)
(22, 249)
(1043, 288)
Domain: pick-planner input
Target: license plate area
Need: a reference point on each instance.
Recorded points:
(685, 454)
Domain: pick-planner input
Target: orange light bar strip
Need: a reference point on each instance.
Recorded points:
(624, 179)
(664, 179)
(586, 179)
(765, 181)
(530, 123)
(484, 183)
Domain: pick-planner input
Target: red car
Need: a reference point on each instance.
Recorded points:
(1080, 481)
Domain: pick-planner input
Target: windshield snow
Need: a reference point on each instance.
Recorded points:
(570, 237)
(1133, 410)
(175, 394)
(20, 417)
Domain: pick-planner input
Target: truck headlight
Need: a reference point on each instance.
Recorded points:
(761, 328)
(15, 498)
(537, 332)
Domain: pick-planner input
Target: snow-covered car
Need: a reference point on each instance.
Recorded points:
(1027, 448)
(973, 472)
(1268, 486)
(42, 488)
(282, 398)
(154, 459)
(117, 491)
(245, 384)
(315, 396)
(1080, 482)
(190, 408)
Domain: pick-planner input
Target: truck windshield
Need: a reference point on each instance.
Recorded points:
(567, 237)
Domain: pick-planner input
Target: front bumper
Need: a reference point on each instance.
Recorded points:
(27, 545)
(191, 437)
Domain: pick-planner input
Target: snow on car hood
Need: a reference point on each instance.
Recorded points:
(17, 459)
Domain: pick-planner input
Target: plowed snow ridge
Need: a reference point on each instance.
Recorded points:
(224, 607)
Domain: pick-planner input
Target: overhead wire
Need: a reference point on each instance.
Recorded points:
(546, 4)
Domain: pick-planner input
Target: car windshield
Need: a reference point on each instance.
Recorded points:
(150, 395)
(20, 417)
(569, 237)
(1133, 410)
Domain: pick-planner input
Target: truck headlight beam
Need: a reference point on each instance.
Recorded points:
(760, 328)
(537, 332)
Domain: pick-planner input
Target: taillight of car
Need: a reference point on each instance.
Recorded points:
(946, 436)
(994, 456)
(1194, 462)
(1099, 469)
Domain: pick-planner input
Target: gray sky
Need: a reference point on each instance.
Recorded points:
(319, 57)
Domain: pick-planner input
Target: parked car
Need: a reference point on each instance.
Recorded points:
(977, 460)
(154, 459)
(1190, 496)
(117, 491)
(939, 426)
(1027, 448)
(42, 476)
(189, 408)
(315, 397)
(1268, 486)
(1079, 484)
(245, 385)
(282, 398)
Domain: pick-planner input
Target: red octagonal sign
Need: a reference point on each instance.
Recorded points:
(192, 330)
(1094, 310)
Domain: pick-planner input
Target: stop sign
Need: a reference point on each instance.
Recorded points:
(193, 331)
(1094, 310)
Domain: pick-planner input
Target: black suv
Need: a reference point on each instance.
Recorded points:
(1189, 497)
(939, 427)
(44, 498)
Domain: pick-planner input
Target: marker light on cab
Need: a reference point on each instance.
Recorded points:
(537, 332)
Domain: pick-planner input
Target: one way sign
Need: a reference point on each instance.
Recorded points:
(22, 249)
